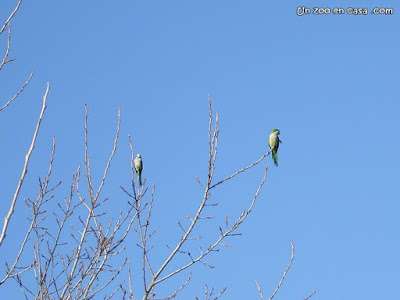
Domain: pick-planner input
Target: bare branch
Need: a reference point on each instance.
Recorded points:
(211, 140)
(5, 58)
(10, 17)
(198, 180)
(208, 294)
(174, 294)
(213, 144)
(43, 192)
(241, 170)
(111, 156)
(225, 234)
(130, 282)
(95, 276)
(309, 296)
(284, 273)
(96, 257)
(220, 293)
(25, 168)
(260, 291)
(18, 93)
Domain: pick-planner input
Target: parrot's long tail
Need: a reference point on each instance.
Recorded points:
(275, 157)
(140, 180)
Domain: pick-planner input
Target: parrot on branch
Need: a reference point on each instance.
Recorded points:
(274, 142)
(138, 167)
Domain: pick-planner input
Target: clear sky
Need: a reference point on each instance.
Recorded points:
(330, 83)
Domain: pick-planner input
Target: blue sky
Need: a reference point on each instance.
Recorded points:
(329, 83)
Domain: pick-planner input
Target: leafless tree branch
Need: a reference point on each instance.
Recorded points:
(260, 291)
(228, 232)
(25, 168)
(101, 253)
(241, 170)
(213, 135)
(284, 273)
(10, 17)
(5, 58)
(309, 296)
(208, 294)
(43, 191)
(18, 93)
(175, 293)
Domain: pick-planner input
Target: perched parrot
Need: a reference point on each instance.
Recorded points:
(138, 167)
(274, 142)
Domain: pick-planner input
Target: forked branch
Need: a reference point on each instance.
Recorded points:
(213, 135)
(282, 279)
(284, 273)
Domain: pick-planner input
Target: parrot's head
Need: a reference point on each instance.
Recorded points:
(138, 156)
(277, 132)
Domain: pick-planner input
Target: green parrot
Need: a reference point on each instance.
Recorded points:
(138, 167)
(274, 142)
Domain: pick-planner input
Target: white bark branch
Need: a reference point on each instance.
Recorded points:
(25, 168)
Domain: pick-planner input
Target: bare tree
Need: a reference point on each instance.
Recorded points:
(179, 252)
(4, 62)
(79, 249)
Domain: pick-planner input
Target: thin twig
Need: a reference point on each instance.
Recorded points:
(130, 281)
(260, 291)
(284, 273)
(241, 170)
(10, 17)
(174, 294)
(18, 93)
(5, 58)
(220, 293)
(309, 296)
(111, 156)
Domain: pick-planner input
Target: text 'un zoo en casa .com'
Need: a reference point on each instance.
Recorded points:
(357, 11)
